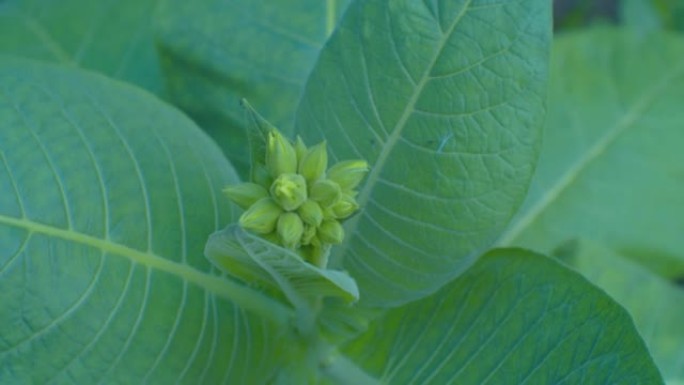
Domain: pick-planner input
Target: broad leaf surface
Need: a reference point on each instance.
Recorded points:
(653, 302)
(612, 168)
(259, 261)
(216, 52)
(445, 99)
(113, 37)
(514, 318)
(107, 197)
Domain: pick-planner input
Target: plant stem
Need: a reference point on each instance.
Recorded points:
(343, 371)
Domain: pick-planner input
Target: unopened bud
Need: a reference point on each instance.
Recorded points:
(245, 194)
(331, 232)
(345, 207)
(348, 174)
(311, 213)
(290, 230)
(261, 217)
(300, 149)
(325, 192)
(308, 235)
(315, 161)
(328, 213)
(281, 157)
(289, 190)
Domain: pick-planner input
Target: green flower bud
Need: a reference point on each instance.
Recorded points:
(289, 190)
(245, 194)
(328, 213)
(300, 149)
(345, 207)
(331, 232)
(325, 192)
(311, 213)
(290, 230)
(308, 235)
(312, 166)
(348, 174)
(281, 157)
(261, 217)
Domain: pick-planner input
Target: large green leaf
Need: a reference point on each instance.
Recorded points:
(445, 99)
(107, 197)
(111, 36)
(215, 52)
(611, 169)
(514, 318)
(654, 302)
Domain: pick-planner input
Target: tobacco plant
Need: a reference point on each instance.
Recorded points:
(337, 192)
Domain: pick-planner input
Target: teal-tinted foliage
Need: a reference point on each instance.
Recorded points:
(507, 208)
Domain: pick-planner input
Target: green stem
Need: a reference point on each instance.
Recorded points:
(343, 371)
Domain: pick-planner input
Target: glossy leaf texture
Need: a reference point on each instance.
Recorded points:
(112, 37)
(216, 52)
(445, 100)
(653, 302)
(514, 318)
(258, 261)
(107, 197)
(611, 169)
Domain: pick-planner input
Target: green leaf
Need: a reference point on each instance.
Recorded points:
(112, 37)
(107, 197)
(514, 318)
(642, 15)
(653, 302)
(445, 99)
(648, 15)
(258, 261)
(611, 169)
(216, 52)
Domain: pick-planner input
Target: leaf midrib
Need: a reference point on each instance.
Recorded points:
(584, 161)
(223, 287)
(395, 135)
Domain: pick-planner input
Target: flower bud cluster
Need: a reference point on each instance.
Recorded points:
(295, 200)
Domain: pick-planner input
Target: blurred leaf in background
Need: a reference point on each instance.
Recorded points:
(113, 37)
(612, 173)
(216, 52)
(572, 14)
(647, 15)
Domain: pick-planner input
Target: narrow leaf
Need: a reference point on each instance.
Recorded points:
(256, 260)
